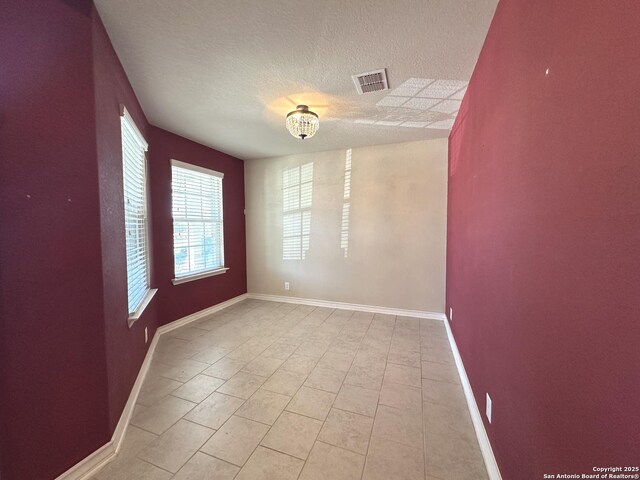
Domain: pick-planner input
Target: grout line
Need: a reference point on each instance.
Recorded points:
(424, 434)
(270, 426)
(213, 456)
(366, 457)
(280, 329)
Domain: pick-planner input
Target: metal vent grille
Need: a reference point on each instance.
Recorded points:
(368, 82)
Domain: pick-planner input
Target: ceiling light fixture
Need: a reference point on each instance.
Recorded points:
(302, 123)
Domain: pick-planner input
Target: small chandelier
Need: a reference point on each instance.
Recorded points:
(302, 123)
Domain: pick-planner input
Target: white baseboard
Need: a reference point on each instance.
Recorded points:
(201, 314)
(89, 465)
(481, 433)
(349, 306)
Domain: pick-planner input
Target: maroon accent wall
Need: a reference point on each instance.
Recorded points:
(68, 360)
(125, 347)
(543, 267)
(177, 301)
(52, 343)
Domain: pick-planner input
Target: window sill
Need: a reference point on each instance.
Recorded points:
(198, 276)
(145, 301)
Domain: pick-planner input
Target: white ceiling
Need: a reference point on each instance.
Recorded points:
(225, 73)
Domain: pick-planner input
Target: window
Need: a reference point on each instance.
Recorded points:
(198, 234)
(134, 150)
(297, 194)
(346, 206)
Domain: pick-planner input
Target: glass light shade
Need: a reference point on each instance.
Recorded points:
(302, 123)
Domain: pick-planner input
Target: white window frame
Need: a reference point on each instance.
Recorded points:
(135, 310)
(197, 275)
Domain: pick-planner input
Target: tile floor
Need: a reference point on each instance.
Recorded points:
(270, 391)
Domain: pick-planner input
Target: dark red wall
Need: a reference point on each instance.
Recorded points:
(125, 347)
(543, 268)
(177, 301)
(67, 357)
(52, 353)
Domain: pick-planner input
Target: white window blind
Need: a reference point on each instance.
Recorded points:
(134, 149)
(346, 206)
(297, 195)
(198, 234)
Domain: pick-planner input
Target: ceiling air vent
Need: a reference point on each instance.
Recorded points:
(371, 81)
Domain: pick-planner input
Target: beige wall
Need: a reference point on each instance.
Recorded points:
(396, 226)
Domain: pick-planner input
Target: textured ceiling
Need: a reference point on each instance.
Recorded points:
(225, 73)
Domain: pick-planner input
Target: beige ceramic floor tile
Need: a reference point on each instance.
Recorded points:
(403, 374)
(210, 355)
(137, 408)
(173, 448)
(236, 440)
(285, 382)
(229, 342)
(188, 332)
(408, 323)
(400, 426)
(389, 460)
(430, 341)
(325, 379)
(134, 468)
(437, 355)
(198, 388)
(133, 443)
(402, 397)
(347, 430)
(161, 416)
(402, 357)
(407, 344)
(266, 464)
(224, 368)
(204, 467)
(346, 354)
(450, 443)
(293, 434)
(242, 385)
(454, 459)
(155, 388)
(444, 393)
(432, 327)
(214, 410)
(357, 399)
(375, 361)
(263, 366)
(328, 462)
(311, 403)
(345, 346)
(264, 406)
(300, 364)
(246, 353)
(440, 371)
(364, 377)
(173, 348)
(281, 351)
(182, 371)
(336, 361)
(375, 345)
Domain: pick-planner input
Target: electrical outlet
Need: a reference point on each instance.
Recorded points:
(286, 285)
(146, 335)
(489, 405)
(451, 314)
